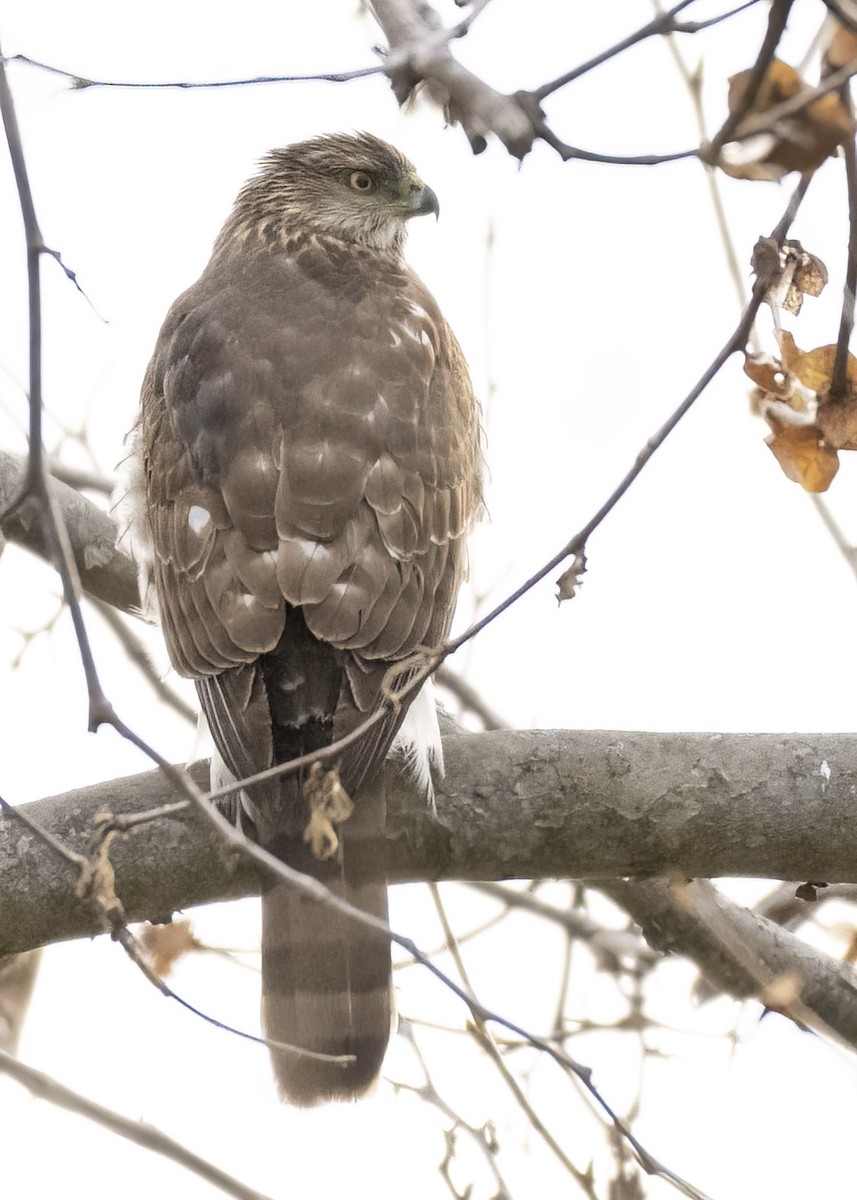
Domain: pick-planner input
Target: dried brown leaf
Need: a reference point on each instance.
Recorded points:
(166, 944)
(770, 376)
(804, 456)
(571, 579)
(799, 142)
(787, 273)
(811, 274)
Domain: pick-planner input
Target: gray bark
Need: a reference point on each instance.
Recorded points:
(584, 805)
(105, 571)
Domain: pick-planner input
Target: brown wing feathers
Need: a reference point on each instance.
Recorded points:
(310, 444)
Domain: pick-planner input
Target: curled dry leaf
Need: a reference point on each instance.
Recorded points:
(803, 455)
(808, 426)
(166, 944)
(800, 141)
(836, 417)
(571, 579)
(787, 273)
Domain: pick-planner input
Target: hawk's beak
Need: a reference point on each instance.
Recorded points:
(422, 200)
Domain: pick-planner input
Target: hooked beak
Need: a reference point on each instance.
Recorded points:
(422, 200)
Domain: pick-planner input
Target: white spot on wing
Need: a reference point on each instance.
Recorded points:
(197, 518)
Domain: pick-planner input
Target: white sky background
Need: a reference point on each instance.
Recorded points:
(714, 598)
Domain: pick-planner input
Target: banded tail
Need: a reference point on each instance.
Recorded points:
(326, 979)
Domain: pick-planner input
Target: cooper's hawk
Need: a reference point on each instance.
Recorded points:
(309, 466)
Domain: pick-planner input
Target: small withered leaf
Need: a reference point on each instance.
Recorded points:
(769, 374)
(804, 456)
(811, 274)
(787, 273)
(800, 141)
(814, 368)
(571, 579)
(166, 944)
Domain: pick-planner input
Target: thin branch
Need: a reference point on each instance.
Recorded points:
(605, 943)
(583, 1179)
(82, 477)
(37, 485)
(693, 83)
(470, 698)
(842, 13)
(139, 656)
(123, 935)
(429, 1093)
(664, 24)
(17, 977)
(80, 82)
(49, 1089)
(839, 374)
(777, 19)
(848, 552)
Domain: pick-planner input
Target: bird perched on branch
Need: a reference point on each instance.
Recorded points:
(307, 469)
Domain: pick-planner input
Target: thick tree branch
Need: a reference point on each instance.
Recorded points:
(582, 805)
(105, 571)
(742, 953)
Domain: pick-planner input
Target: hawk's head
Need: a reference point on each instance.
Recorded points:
(353, 186)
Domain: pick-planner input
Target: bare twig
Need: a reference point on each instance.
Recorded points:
(583, 1179)
(81, 477)
(606, 943)
(663, 24)
(123, 935)
(470, 698)
(777, 19)
(839, 374)
(429, 1093)
(139, 656)
(848, 552)
(17, 978)
(693, 83)
(49, 1089)
(79, 82)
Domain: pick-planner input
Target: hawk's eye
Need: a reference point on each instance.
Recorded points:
(361, 182)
